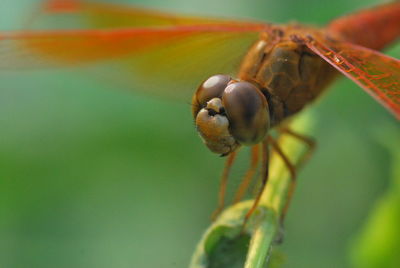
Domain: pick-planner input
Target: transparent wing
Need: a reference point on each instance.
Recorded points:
(105, 15)
(169, 59)
(377, 73)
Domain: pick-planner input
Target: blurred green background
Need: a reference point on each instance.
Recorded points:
(91, 176)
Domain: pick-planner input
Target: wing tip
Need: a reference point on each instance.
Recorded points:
(61, 6)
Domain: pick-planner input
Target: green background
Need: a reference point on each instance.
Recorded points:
(91, 176)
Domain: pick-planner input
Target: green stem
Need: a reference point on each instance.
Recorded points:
(225, 243)
(262, 239)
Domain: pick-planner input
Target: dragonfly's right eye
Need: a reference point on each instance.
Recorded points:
(213, 87)
(247, 111)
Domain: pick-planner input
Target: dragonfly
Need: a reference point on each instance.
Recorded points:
(245, 77)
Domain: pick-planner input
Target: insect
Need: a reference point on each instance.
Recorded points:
(261, 75)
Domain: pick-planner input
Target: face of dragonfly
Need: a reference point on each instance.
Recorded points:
(229, 113)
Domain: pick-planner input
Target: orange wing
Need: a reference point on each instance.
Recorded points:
(378, 74)
(105, 15)
(158, 52)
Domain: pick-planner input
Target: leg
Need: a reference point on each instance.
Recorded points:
(292, 170)
(304, 158)
(310, 142)
(278, 150)
(249, 174)
(265, 172)
(224, 181)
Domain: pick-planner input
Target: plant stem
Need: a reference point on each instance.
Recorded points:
(261, 241)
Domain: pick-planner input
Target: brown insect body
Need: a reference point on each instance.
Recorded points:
(291, 76)
(287, 72)
(287, 68)
(291, 66)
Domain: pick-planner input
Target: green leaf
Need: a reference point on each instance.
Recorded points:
(378, 243)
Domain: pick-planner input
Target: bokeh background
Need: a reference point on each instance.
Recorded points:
(91, 176)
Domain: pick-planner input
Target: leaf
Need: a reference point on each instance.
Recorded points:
(377, 245)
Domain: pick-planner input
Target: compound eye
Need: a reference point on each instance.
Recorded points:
(247, 111)
(209, 89)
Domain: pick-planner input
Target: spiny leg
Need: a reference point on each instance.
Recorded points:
(265, 173)
(285, 159)
(255, 151)
(304, 158)
(310, 142)
(292, 170)
(224, 180)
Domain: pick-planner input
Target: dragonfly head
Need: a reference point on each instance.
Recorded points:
(229, 113)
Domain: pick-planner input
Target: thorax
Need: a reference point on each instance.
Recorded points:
(288, 73)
